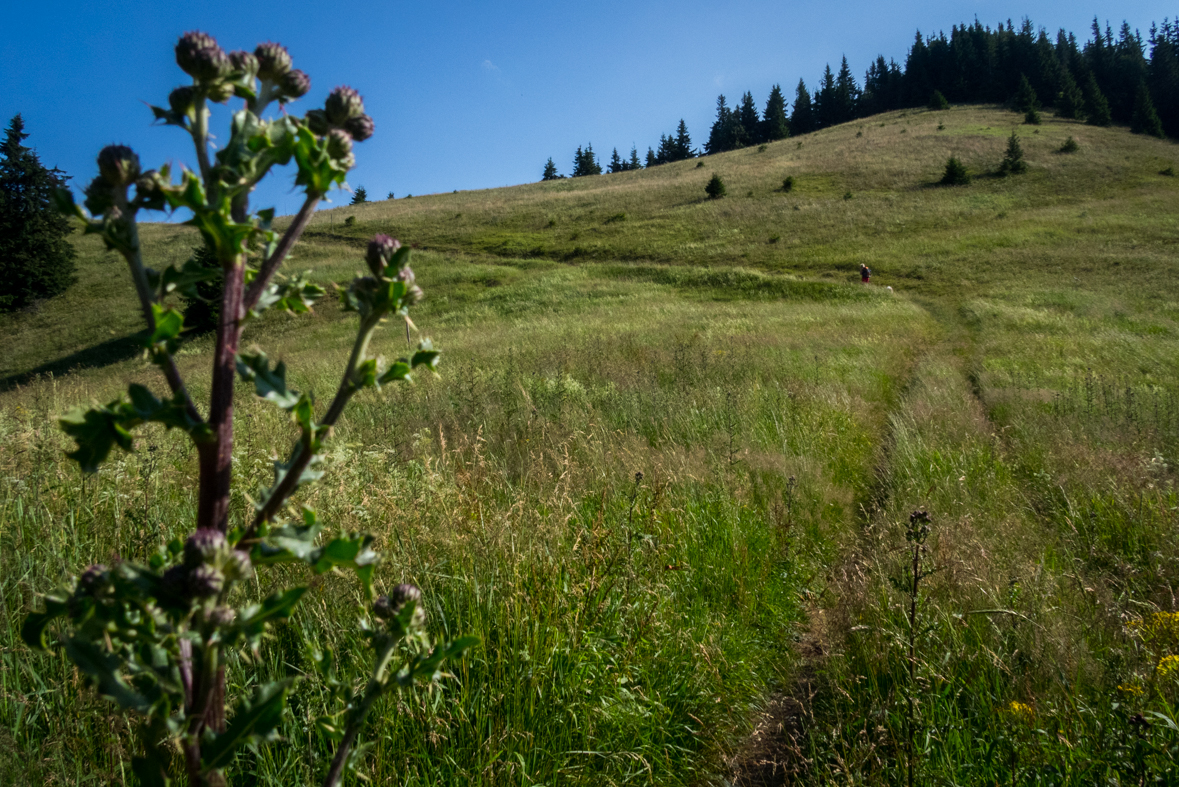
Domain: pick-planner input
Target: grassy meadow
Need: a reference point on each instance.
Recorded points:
(666, 472)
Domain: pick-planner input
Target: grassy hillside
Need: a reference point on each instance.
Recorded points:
(1019, 382)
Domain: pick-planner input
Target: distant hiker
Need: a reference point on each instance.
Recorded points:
(865, 274)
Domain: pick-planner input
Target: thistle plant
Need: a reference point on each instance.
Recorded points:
(155, 639)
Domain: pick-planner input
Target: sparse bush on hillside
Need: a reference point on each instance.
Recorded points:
(1168, 171)
(715, 188)
(788, 183)
(955, 174)
(1070, 146)
(156, 638)
(938, 102)
(1013, 163)
(350, 221)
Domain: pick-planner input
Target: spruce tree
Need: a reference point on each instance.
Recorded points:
(360, 196)
(826, 106)
(1096, 107)
(937, 101)
(651, 161)
(1013, 163)
(36, 260)
(634, 159)
(1025, 101)
(774, 125)
(748, 120)
(1070, 103)
(717, 135)
(1145, 120)
(683, 142)
(550, 170)
(715, 188)
(802, 119)
(847, 94)
(615, 163)
(955, 174)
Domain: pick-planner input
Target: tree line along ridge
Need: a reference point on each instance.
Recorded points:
(1108, 79)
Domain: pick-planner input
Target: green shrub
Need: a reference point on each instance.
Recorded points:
(937, 101)
(788, 183)
(1013, 163)
(1070, 146)
(715, 188)
(1168, 171)
(955, 174)
(1032, 117)
(350, 221)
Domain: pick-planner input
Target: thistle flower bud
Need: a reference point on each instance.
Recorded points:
(205, 581)
(380, 250)
(360, 127)
(199, 56)
(99, 196)
(238, 566)
(93, 580)
(244, 62)
(174, 585)
(317, 122)
(118, 165)
(343, 103)
(182, 99)
(339, 144)
(222, 616)
(406, 275)
(219, 92)
(203, 546)
(414, 295)
(274, 61)
(295, 84)
(390, 606)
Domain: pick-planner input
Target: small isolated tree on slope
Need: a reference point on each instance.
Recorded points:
(715, 188)
(938, 102)
(550, 170)
(1013, 163)
(955, 174)
(360, 196)
(36, 260)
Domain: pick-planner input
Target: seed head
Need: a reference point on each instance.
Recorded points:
(339, 147)
(93, 580)
(205, 581)
(203, 546)
(343, 103)
(219, 92)
(118, 165)
(199, 56)
(274, 61)
(181, 100)
(380, 250)
(244, 62)
(295, 84)
(317, 122)
(390, 606)
(360, 127)
(99, 196)
(238, 566)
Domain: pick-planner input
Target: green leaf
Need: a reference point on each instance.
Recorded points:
(166, 336)
(277, 606)
(34, 629)
(270, 384)
(102, 668)
(398, 372)
(349, 552)
(255, 720)
(96, 431)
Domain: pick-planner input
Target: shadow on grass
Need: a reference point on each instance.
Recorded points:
(93, 357)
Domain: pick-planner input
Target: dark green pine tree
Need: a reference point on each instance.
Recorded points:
(616, 163)
(634, 164)
(749, 121)
(938, 102)
(585, 163)
(1145, 120)
(683, 142)
(550, 170)
(774, 125)
(802, 118)
(1025, 100)
(1163, 74)
(651, 160)
(666, 152)
(1096, 107)
(826, 109)
(1013, 163)
(1070, 103)
(360, 196)
(847, 94)
(717, 135)
(36, 260)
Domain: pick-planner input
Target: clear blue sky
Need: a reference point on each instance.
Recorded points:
(467, 95)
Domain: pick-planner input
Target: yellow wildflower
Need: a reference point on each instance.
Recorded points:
(1158, 625)
(1021, 711)
(1168, 666)
(1131, 688)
